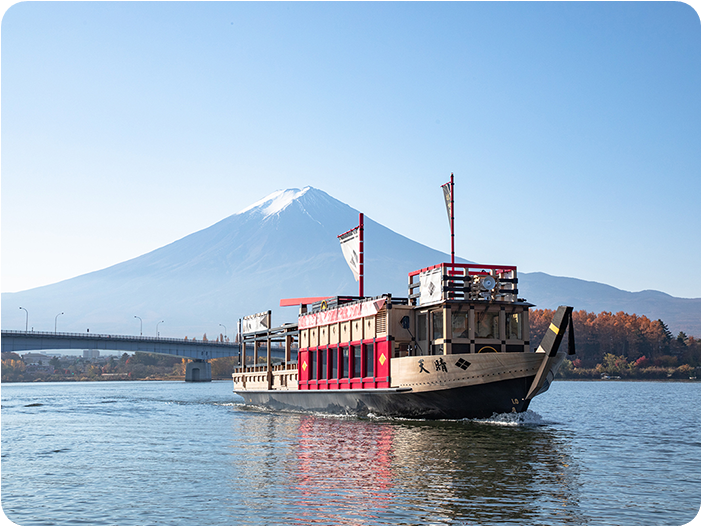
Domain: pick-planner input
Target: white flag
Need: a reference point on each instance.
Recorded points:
(447, 197)
(430, 283)
(351, 247)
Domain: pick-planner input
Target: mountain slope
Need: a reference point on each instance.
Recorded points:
(681, 314)
(283, 246)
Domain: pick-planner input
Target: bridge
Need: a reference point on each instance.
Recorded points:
(200, 352)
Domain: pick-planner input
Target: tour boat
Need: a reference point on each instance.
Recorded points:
(458, 346)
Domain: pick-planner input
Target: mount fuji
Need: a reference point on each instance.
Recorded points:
(283, 246)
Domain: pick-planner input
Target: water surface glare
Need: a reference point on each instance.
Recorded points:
(171, 453)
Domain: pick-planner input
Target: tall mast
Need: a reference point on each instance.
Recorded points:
(453, 253)
(360, 256)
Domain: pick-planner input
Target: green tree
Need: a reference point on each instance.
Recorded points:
(666, 331)
(613, 364)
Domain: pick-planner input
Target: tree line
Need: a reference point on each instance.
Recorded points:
(138, 366)
(622, 345)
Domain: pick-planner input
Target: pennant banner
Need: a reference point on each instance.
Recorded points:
(351, 247)
(447, 197)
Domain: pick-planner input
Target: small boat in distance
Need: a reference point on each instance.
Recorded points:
(458, 346)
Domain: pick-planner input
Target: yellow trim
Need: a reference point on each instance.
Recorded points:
(553, 328)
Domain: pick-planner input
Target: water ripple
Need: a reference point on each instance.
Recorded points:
(174, 454)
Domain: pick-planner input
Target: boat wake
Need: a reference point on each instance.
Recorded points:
(528, 418)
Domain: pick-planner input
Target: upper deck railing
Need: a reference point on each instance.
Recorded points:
(467, 282)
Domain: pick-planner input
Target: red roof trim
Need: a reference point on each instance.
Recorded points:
(286, 302)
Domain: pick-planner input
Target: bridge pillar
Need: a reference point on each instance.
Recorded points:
(198, 371)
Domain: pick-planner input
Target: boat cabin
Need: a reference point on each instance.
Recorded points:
(351, 342)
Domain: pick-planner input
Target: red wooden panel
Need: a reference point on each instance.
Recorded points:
(303, 370)
(382, 361)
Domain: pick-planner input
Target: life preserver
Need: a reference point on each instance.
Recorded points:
(487, 349)
(324, 305)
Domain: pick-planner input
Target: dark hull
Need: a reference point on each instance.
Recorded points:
(471, 402)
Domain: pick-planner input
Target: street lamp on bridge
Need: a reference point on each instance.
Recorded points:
(56, 321)
(26, 320)
(141, 325)
(225, 330)
(157, 333)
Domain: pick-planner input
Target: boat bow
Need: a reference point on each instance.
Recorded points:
(562, 320)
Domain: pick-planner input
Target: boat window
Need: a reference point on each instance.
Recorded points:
(323, 363)
(487, 325)
(334, 359)
(313, 370)
(356, 360)
(514, 326)
(437, 322)
(401, 350)
(344, 363)
(422, 327)
(459, 325)
(368, 360)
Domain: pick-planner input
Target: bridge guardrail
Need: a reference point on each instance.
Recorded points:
(118, 337)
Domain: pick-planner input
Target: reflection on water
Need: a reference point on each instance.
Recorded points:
(177, 454)
(343, 468)
(350, 471)
(488, 473)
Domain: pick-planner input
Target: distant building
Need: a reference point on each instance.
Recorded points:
(35, 358)
(91, 354)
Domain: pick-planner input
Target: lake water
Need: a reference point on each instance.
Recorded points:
(171, 453)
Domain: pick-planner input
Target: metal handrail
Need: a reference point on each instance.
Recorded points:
(119, 337)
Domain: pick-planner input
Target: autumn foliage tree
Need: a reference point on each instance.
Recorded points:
(610, 341)
(223, 367)
(13, 367)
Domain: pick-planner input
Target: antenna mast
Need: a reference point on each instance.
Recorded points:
(453, 253)
(360, 256)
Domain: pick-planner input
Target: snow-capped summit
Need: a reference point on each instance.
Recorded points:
(276, 201)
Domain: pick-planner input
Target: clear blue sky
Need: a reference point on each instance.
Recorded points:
(573, 129)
